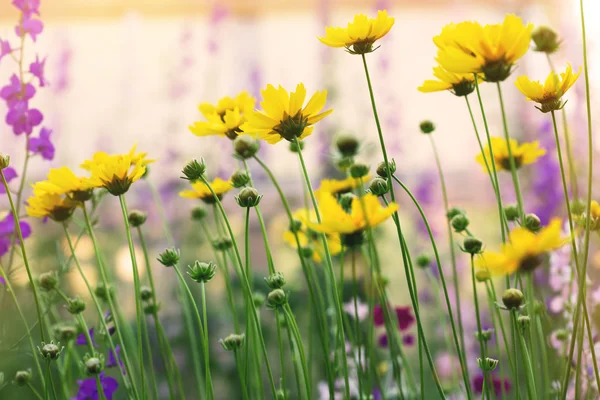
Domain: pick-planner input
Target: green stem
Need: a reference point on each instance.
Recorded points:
(89, 342)
(493, 309)
(35, 392)
(492, 293)
(208, 378)
(241, 374)
(530, 378)
(544, 361)
(293, 326)
(281, 353)
(479, 330)
(360, 370)
(47, 386)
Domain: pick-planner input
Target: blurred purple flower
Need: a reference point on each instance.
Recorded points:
(114, 359)
(23, 119)
(42, 145)
(2, 281)
(89, 391)
(30, 26)
(9, 174)
(37, 69)
(403, 314)
(63, 67)
(4, 48)
(82, 339)
(7, 229)
(14, 94)
(407, 340)
(496, 382)
(27, 7)
(546, 187)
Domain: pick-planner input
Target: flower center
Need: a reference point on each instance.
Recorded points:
(290, 127)
(531, 262)
(505, 162)
(496, 71)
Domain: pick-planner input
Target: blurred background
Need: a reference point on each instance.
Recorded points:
(122, 72)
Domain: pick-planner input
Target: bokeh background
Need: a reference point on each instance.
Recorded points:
(133, 71)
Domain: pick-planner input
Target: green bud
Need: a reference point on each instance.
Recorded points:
(423, 261)
(295, 226)
(511, 212)
(562, 335)
(146, 293)
(23, 377)
(488, 364)
(459, 223)
(280, 395)
(194, 170)
(4, 161)
(169, 257)
(347, 145)
(65, 333)
(48, 281)
(222, 243)
(485, 335)
(427, 127)
(50, 351)
(532, 222)
(545, 39)
(240, 178)
(539, 308)
(472, 245)
(453, 212)
(524, 321)
(232, 342)
(201, 271)
(137, 218)
(378, 187)
(102, 293)
(151, 308)
(512, 298)
(276, 298)
(248, 197)
(75, 306)
(343, 163)
(275, 280)
(382, 168)
(199, 213)
(245, 146)
(294, 147)
(307, 251)
(258, 299)
(345, 200)
(93, 364)
(359, 170)
(482, 275)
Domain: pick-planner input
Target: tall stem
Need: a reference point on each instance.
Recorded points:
(208, 378)
(530, 379)
(479, 331)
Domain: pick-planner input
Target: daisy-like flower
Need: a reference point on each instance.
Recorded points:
(117, 172)
(201, 191)
(54, 206)
(337, 187)
(225, 118)
(523, 154)
(63, 181)
(283, 116)
(492, 50)
(549, 95)
(525, 251)
(457, 84)
(360, 35)
(350, 225)
(309, 238)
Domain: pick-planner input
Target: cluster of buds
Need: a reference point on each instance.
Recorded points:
(275, 280)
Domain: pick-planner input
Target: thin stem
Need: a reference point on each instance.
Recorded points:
(241, 374)
(544, 361)
(35, 392)
(479, 329)
(360, 369)
(281, 353)
(47, 386)
(530, 379)
(90, 343)
(208, 378)
(293, 326)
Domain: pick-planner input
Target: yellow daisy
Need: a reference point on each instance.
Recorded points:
(54, 206)
(360, 35)
(549, 95)
(308, 237)
(524, 154)
(63, 181)
(202, 192)
(458, 84)
(115, 173)
(225, 118)
(283, 116)
(524, 252)
(492, 50)
(335, 186)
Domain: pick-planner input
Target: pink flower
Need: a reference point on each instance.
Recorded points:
(9, 174)
(27, 7)
(30, 26)
(23, 119)
(13, 93)
(4, 48)
(36, 68)
(42, 145)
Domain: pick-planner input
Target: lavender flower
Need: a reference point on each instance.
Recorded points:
(14, 94)
(5, 48)
(30, 26)
(7, 229)
(496, 382)
(9, 174)
(36, 68)
(23, 119)
(403, 314)
(89, 391)
(27, 7)
(42, 145)
(82, 339)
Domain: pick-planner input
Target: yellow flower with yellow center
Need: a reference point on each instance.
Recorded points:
(524, 252)
(225, 118)
(54, 206)
(283, 116)
(117, 172)
(458, 84)
(352, 223)
(63, 181)
(201, 191)
(335, 186)
(360, 34)
(493, 50)
(308, 237)
(523, 154)
(549, 95)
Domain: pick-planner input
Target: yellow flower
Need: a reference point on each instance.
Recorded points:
(458, 84)
(202, 192)
(54, 206)
(115, 173)
(350, 225)
(524, 154)
(283, 116)
(225, 118)
(468, 47)
(63, 181)
(335, 186)
(308, 237)
(549, 95)
(525, 250)
(595, 217)
(361, 34)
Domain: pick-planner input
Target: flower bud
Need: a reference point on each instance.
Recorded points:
(93, 365)
(485, 335)
(65, 333)
(280, 395)
(488, 364)
(511, 212)
(222, 243)
(48, 281)
(294, 147)
(472, 245)
(169, 257)
(50, 351)
(524, 321)
(539, 308)
(347, 145)
(482, 275)
(345, 200)
(194, 170)
(423, 261)
(275, 280)
(146, 293)
(343, 163)
(532, 223)
(353, 240)
(4, 161)
(295, 226)
(427, 127)
(81, 195)
(151, 308)
(248, 197)
(378, 187)
(562, 335)
(137, 218)
(240, 178)
(453, 212)
(199, 213)
(232, 342)
(75, 306)
(307, 251)
(202, 272)
(245, 146)
(23, 377)
(359, 170)
(382, 168)
(102, 292)
(545, 39)
(512, 298)
(277, 298)
(459, 223)
(258, 299)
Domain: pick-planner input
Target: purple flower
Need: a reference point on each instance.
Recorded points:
(37, 69)
(403, 314)
(2, 281)
(42, 145)
(407, 340)
(496, 382)
(27, 7)
(23, 119)
(13, 93)
(82, 339)
(30, 26)
(113, 357)
(4, 48)
(7, 229)
(89, 391)
(9, 174)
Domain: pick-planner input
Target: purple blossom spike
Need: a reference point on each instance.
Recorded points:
(89, 391)
(27, 7)
(9, 175)
(5, 48)
(496, 382)
(36, 68)
(23, 119)
(7, 229)
(30, 26)
(42, 145)
(14, 94)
